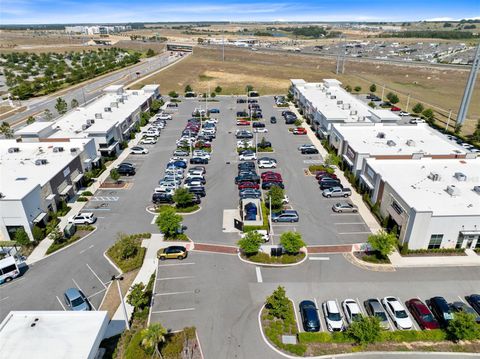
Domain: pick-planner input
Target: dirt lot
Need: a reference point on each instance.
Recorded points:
(112, 300)
(270, 73)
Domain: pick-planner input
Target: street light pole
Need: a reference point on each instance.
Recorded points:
(383, 91)
(270, 218)
(117, 279)
(408, 102)
(448, 121)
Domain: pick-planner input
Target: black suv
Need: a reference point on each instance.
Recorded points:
(243, 135)
(244, 166)
(258, 124)
(126, 171)
(198, 161)
(309, 313)
(273, 119)
(247, 177)
(327, 182)
(200, 191)
(309, 151)
(264, 144)
(441, 310)
(474, 301)
(162, 198)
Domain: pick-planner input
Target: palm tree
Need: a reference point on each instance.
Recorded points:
(152, 336)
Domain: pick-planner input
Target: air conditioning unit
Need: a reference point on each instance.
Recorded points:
(40, 162)
(460, 176)
(73, 149)
(333, 97)
(381, 135)
(135, 93)
(453, 191)
(476, 189)
(13, 150)
(434, 176)
(114, 104)
(353, 112)
(85, 126)
(58, 149)
(339, 102)
(391, 143)
(107, 109)
(98, 115)
(411, 143)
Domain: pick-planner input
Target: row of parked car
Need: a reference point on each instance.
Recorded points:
(435, 313)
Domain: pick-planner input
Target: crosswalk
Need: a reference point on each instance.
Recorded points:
(104, 199)
(313, 162)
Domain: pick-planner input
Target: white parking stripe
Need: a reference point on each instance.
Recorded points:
(1, 300)
(299, 327)
(172, 310)
(414, 322)
(170, 278)
(392, 325)
(259, 274)
(94, 294)
(175, 293)
(318, 310)
(60, 303)
(319, 258)
(154, 219)
(461, 299)
(96, 276)
(176, 264)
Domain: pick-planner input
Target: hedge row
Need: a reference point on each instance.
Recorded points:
(261, 257)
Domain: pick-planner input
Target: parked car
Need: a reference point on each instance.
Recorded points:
(270, 174)
(306, 146)
(148, 141)
(172, 252)
(273, 119)
(243, 123)
(458, 307)
(267, 164)
(415, 121)
(333, 318)
(249, 193)
(260, 130)
(397, 313)
(198, 160)
(340, 207)
(309, 151)
(214, 110)
(351, 310)
(262, 232)
(83, 218)
(299, 131)
(320, 174)
(285, 216)
(247, 156)
(137, 150)
(422, 314)
(199, 179)
(474, 301)
(309, 314)
(76, 300)
(247, 177)
(246, 166)
(243, 135)
(200, 191)
(395, 109)
(244, 185)
(337, 192)
(266, 185)
(374, 308)
(241, 100)
(403, 113)
(182, 153)
(126, 171)
(441, 310)
(162, 197)
(328, 182)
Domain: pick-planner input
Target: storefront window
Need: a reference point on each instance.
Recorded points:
(435, 241)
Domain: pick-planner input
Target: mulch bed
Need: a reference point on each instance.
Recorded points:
(113, 185)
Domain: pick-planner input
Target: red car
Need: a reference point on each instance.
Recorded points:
(422, 314)
(201, 144)
(243, 123)
(244, 185)
(299, 131)
(270, 174)
(272, 179)
(321, 174)
(395, 109)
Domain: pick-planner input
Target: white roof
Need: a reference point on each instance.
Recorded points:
(410, 180)
(34, 128)
(18, 172)
(52, 334)
(421, 139)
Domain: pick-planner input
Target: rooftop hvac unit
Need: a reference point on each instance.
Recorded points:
(460, 176)
(85, 126)
(333, 97)
(339, 102)
(453, 191)
(114, 104)
(328, 93)
(411, 143)
(90, 122)
(353, 112)
(73, 149)
(381, 135)
(391, 143)
(476, 189)
(98, 115)
(40, 162)
(13, 150)
(135, 93)
(121, 100)
(434, 176)
(107, 109)
(58, 149)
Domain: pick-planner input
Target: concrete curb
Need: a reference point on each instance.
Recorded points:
(181, 214)
(272, 265)
(350, 257)
(111, 262)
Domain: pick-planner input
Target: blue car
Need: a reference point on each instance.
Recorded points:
(309, 313)
(177, 164)
(75, 300)
(214, 110)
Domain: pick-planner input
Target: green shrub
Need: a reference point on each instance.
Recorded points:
(365, 330)
(435, 251)
(464, 327)
(264, 258)
(87, 193)
(134, 348)
(374, 257)
(398, 336)
(55, 246)
(82, 199)
(85, 227)
(291, 242)
(189, 209)
(250, 243)
(314, 168)
(21, 237)
(38, 233)
(127, 253)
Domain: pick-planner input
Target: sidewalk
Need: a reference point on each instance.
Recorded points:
(40, 251)
(356, 198)
(471, 259)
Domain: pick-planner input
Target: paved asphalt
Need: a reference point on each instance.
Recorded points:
(217, 293)
(87, 92)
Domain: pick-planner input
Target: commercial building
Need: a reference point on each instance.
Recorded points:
(434, 203)
(36, 176)
(355, 143)
(326, 103)
(96, 29)
(109, 120)
(52, 334)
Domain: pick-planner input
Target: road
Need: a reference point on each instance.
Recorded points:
(86, 92)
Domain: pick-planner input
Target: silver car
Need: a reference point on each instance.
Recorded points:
(344, 207)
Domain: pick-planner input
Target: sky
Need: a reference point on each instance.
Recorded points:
(118, 11)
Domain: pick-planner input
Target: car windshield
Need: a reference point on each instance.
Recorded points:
(334, 316)
(428, 318)
(381, 316)
(447, 316)
(77, 301)
(401, 314)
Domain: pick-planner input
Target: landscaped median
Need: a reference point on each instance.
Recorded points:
(60, 240)
(277, 320)
(127, 253)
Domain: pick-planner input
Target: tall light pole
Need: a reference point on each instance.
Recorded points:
(270, 219)
(117, 279)
(383, 91)
(408, 102)
(467, 95)
(448, 121)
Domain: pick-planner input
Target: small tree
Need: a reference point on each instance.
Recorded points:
(21, 237)
(168, 221)
(278, 304)
(358, 88)
(373, 88)
(6, 130)
(476, 133)
(61, 106)
(30, 120)
(365, 330)
(74, 103)
(213, 94)
(372, 104)
(114, 175)
(129, 246)
(150, 53)
(383, 242)
(248, 88)
(458, 129)
(332, 160)
(218, 89)
(56, 235)
(418, 108)
(428, 114)
(464, 327)
(393, 98)
(38, 233)
(348, 88)
(250, 244)
(188, 88)
(155, 106)
(137, 297)
(151, 337)
(173, 94)
(291, 242)
(47, 114)
(182, 197)
(275, 197)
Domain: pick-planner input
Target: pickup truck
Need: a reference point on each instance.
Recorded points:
(337, 192)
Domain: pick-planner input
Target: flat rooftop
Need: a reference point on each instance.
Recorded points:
(52, 334)
(18, 172)
(410, 179)
(392, 139)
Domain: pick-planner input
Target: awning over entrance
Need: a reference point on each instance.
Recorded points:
(65, 190)
(78, 178)
(40, 217)
(50, 197)
(470, 233)
(349, 162)
(366, 181)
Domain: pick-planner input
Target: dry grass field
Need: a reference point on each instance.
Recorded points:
(269, 73)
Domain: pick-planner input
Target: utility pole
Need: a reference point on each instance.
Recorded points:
(467, 95)
(408, 102)
(448, 121)
(383, 91)
(223, 46)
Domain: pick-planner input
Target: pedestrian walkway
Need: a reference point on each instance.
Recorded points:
(470, 259)
(215, 248)
(40, 251)
(346, 248)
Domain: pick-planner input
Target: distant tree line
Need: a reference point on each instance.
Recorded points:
(431, 34)
(307, 31)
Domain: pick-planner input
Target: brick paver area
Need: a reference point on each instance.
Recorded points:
(347, 248)
(215, 248)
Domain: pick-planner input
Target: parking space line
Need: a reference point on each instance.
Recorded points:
(76, 285)
(175, 293)
(1, 300)
(170, 278)
(319, 258)
(318, 310)
(176, 264)
(60, 303)
(96, 276)
(154, 219)
(461, 299)
(344, 320)
(259, 274)
(86, 249)
(299, 327)
(94, 294)
(360, 307)
(353, 232)
(173, 310)
(414, 322)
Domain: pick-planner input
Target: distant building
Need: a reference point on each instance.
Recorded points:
(96, 29)
(36, 176)
(52, 334)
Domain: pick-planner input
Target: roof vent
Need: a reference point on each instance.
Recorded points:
(107, 109)
(339, 102)
(381, 135)
(90, 122)
(391, 143)
(353, 112)
(333, 97)
(434, 176)
(453, 191)
(98, 115)
(40, 162)
(460, 176)
(476, 189)
(411, 143)
(13, 150)
(114, 104)
(85, 126)
(58, 149)
(73, 149)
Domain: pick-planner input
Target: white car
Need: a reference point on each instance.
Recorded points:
(193, 184)
(164, 186)
(303, 147)
(152, 133)
(397, 312)
(351, 310)
(201, 154)
(164, 116)
(148, 141)
(244, 144)
(261, 130)
(262, 232)
(285, 200)
(137, 150)
(267, 164)
(333, 318)
(170, 191)
(195, 173)
(176, 171)
(416, 121)
(212, 120)
(83, 218)
(248, 157)
(403, 113)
